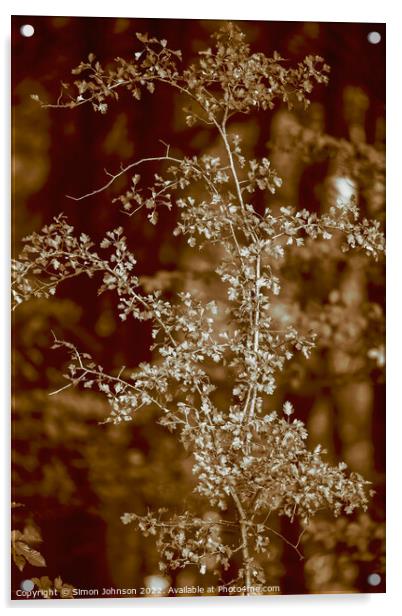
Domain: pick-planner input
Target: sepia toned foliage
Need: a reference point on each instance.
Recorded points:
(24, 553)
(247, 457)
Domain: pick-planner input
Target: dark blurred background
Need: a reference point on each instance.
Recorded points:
(74, 477)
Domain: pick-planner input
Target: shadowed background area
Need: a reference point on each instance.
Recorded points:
(74, 478)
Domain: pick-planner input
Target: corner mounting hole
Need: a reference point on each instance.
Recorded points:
(374, 38)
(27, 585)
(374, 579)
(27, 30)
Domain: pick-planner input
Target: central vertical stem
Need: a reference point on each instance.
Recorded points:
(255, 317)
(249, 408)
(243, 531)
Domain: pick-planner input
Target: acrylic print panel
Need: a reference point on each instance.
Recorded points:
(198, 284)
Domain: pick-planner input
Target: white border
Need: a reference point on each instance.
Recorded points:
(308, 10)
(290, 10)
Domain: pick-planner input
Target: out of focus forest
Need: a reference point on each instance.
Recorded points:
(73, 478)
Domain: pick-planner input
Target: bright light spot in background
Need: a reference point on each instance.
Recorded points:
(158, 583)
(27, 30)
(374, 579)
(374, 37)
(345, 188)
